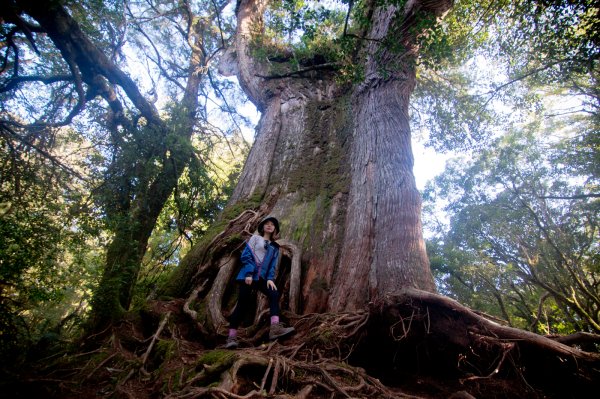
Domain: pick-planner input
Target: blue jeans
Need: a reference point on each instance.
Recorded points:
(245, 296)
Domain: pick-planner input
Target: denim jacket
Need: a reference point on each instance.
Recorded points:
(265, 270)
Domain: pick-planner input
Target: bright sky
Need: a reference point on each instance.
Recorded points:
(428, 164)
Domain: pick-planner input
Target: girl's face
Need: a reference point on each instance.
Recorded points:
(269, 227)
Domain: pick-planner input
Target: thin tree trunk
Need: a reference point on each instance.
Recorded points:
(128, 246)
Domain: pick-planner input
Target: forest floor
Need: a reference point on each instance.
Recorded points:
(399, 349)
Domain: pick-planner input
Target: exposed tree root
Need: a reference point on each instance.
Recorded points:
(479, 350)
(154, 339)
(286, 377)
(486, 359)
(220, 255)
(411, 345)
(492, 332)
(414, 344)
(291, 250)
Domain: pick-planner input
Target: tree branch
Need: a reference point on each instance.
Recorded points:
(14, 82)
(568, 197)
(329, 65)
(67, 36)
(11, 134)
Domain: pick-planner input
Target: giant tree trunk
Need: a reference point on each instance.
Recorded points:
(383, 248)
(339, 156)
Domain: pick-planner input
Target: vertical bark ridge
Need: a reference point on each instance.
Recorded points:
(250, 20)
(258, 167)
(384, 249)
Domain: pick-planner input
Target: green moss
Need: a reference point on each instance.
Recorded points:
(319, 283)
(172, 384)
(164, 350)
(201, 307)
(234, 239)
(300, 220)
(216, 357)
(321, 174)
(233, 211)
(206, 371)
(323, 337)
(212, 364)
(327, 128)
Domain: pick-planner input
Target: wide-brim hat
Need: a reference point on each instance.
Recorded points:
(261, 230)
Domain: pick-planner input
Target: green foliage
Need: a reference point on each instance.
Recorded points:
(303, 23)
(103, 20)
(517, 92)
(522, 241)
(89, 188)
(48, 251)
(301, 34)
(488, 60)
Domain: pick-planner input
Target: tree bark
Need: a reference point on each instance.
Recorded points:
(384, 248)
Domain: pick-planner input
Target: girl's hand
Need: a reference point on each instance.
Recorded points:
(248, 280)
(271, 285)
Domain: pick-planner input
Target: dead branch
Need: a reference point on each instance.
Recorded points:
(300, 72)
(155, 338)
(264, 380)
(102, 363)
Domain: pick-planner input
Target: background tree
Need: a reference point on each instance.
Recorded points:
(197, 201)
(46, 266)
(542, 86)
(491, 63)
(523, 235)
(58, 72)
